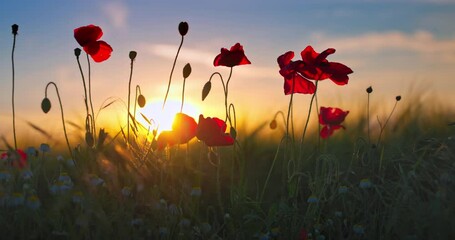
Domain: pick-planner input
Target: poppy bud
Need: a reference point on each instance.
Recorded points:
(141, 100)
(15, 28)
(398, 98)
(369, 89)
(133, 55)
(89, 139)
(101, 138)
(187, 70)
(183, 28)
(273, 124)
(46, 105)
(206, 90)
(233, 133)
(77, 52)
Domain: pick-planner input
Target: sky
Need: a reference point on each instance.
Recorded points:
(400, 47)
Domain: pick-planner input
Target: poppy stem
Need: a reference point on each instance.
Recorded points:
(172, 71)
(62, 114)
(90, 98)
(368, 119)
(385, 124)
(12, 97)
(226, 92)
(83, 83)
(307, 120)
(129, 101)
(183, 95)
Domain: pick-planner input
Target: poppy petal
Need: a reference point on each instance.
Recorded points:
(99, 50)
(301, 85)
(87, 34)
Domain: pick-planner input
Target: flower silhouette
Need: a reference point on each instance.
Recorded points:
(230, 58)
(88, 37)
(183, 130)
(293, 81)
(212, 132)
(331, 118)
(317, 67)
(16, 158)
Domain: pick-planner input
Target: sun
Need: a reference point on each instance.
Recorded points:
(161, 119)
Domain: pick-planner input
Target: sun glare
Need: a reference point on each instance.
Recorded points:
(162, 118)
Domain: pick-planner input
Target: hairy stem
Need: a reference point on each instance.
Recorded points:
(172, 71)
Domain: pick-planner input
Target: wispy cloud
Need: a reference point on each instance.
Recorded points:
(205, 58)
(422, 43)
(117, 13)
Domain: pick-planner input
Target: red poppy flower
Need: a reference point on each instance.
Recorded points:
(15, 158)
(293, 81)
(230, 58)
(303, 234)
(212, 132)
(331, 118)
(183, 130)
(88, 37)
(316, 67)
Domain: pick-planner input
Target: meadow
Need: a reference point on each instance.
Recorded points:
(388, 177)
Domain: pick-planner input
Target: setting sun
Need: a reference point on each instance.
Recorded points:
(162, 119)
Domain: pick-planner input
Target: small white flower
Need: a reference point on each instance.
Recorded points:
(358, 229)
(313, 199)
(136, 222)
(126, 191)
(196, 192)
(77, 197)
(27, 174)
(44, 147)
(5, 175)
(342, 189)
(365, 183)
(33, 202)
(17, 199)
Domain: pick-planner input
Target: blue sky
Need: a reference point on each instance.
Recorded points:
(394, 46)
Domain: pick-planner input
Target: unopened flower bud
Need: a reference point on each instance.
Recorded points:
(77, 52)
(273, 124)
(46, 105)
(369, 89)
(398, 98)
(133, 55)
(186, 70)
(183, 28)
(141, 100)
(15, 28)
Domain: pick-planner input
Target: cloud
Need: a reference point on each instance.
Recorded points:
(116, 13)
(422, 43)
(198, 56)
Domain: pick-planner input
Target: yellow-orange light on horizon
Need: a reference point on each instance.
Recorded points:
(162, 119)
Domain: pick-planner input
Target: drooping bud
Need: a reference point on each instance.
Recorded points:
(141, 100)
(206, 90)
(46, 105)
(133, 55)
(187, 70)
(273, 124)
(15, 28)
(77, 52)
(369, 89)
(183, 28)
(398, 98)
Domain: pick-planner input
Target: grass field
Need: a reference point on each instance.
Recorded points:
(392, 178)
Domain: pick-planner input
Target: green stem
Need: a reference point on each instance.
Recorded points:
(385, 124)
(129, 100)
(226, 91)
(12, 98)
(90, 98)
(62, 114)
(183, 94)
(172, 71)
(306, 124)
(83, 83)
